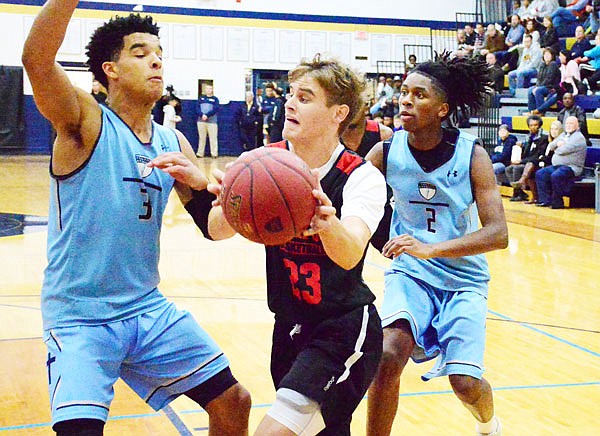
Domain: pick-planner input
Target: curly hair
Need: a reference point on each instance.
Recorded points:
(464, 82)
(342, 85)
(106, 42)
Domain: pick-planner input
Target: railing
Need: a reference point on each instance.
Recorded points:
(488, 123)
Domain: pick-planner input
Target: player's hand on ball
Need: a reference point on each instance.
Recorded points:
(177, 165)
(406, 244)
(217, 186)
(324, 212)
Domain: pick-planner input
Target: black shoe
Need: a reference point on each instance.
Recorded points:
(558, 206)
(543, 205)
(517, 198)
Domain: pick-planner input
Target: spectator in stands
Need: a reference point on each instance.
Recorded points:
(479, 38)
(470, 34)
(531, 28)
(391, 109)
(98, 92)
(565, 20)
(383, 94)
(496, 73)
(549, 39)
(462, 48)
(515, 33)
(397, 86)
(580, 45)
(543, 8)
(548, 82)
(554, 181)
(570, 109)
(527, 179)
(569, 76)
(527, 67)
(525, 11)
(397, 122)
(494, 41)
(593, 21)
(591, 76)
(503, 152)
(412, 62)
(532, 151)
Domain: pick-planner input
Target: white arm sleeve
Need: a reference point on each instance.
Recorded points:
(364, 195)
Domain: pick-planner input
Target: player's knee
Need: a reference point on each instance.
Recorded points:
(79, 427)
(297, 412)
(466, 388)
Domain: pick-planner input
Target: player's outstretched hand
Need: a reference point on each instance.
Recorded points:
(406, 244)
(324, 212)
(177, 165)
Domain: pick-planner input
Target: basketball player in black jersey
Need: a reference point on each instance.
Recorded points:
(327, 335)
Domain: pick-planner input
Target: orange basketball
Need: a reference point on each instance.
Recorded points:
(267, 195)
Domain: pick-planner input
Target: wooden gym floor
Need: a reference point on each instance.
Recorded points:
(543, 336)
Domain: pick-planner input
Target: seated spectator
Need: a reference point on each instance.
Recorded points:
(555, 181)
(543, 8)
(527, 179)
(383, 94)
(397, 123)
(469, 35)
(548, 82)
(549, 39)
(502, 153)
(593, 21)
(494, 41)
(591, 76)
(462, 48)
(527, 67)
(532, 151)
(531, 28)
(515, 33)
(580, 45)
(525, 11)
(565, 20)
(479, 38)
(496, 73)
(569, 77)
(412, 62)
(570, 109)
(397, 86)
(392, 108)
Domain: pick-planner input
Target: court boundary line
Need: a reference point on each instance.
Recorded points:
(263, 405)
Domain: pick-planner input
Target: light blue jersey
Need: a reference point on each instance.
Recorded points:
(435, 207)
(104, 230)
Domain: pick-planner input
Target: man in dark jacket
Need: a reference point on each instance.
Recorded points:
(502, 153)
(251, 121)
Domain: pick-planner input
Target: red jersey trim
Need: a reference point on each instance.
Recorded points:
(372, 126)
(348, 162)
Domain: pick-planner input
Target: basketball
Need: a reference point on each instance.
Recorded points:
(267, 195)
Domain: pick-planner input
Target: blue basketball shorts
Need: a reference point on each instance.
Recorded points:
(160, 355)
(449, 325)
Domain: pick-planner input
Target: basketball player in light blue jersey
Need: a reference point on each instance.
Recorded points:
(435, 299)
(103, 315)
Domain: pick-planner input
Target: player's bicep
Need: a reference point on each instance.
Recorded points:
(485, 190)
(56, 97)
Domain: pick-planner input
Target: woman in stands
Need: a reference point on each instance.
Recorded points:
(548, 82)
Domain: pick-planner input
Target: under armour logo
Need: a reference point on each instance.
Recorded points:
(329, 383)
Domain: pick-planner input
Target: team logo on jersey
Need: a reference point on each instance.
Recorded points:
(427, 190)
(142, 164)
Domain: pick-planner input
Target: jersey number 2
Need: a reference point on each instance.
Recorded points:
(431, 219)
(310, 288)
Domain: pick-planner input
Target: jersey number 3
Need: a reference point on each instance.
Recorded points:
(306, 281)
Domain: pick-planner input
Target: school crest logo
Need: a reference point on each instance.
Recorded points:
(427, 190)
(142, 164)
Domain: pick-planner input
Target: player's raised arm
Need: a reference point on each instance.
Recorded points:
(54, 94)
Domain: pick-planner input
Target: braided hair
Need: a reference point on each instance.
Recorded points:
(463, 82)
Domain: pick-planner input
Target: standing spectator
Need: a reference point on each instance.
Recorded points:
(437, 284)
(98, 92)
(548, 82)
(158, 112)
(549, 39)
(250, 120)
(554, 181)
(412, 63)
(268, 104)
(570, 109)
(104, 316)
(170, 118)
(527, 67)
(207, 109)
(532, 151)
(502, 153)
(276, 118)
